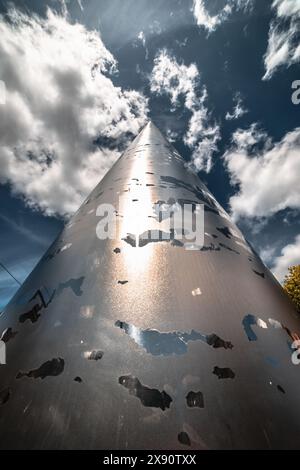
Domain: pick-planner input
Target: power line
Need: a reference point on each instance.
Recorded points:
(5, 269)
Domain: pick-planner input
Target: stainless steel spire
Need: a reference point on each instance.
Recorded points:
(149, 343)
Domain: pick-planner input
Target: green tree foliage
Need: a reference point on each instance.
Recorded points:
(291, 285)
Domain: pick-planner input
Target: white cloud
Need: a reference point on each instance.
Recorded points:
(182, 43)
(203, 18)
(176, 80)
(283, 43)
(286, 8)
(171, 135)
(238, 110)
(202, 137)
(266, 173)
(142, 37)
(290, 256)
(182, 82)
(59, 100)
(267, 254)
(155, 28)
(209, 21)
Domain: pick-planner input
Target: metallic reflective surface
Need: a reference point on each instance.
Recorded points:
(154, 346)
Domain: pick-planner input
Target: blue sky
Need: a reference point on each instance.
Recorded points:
(216, 77)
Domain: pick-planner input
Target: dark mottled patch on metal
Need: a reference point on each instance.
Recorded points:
(5, 395)
(59, 250)
(217, 342)
(249, 321)
(258, 273)
(74, 284)
(8, 334)
(165, 344)
(95, 355)
(44, 296)
(166, 209)
(222, 245)
(148, 396)
(117, 250)
(211, 247)
(78, 379)
(50, 368)
(223, 372)
(225, 231)
(195, 400)
(152, 236)
(130, 239)
(184, 438)
(196, 190)
(31, 315)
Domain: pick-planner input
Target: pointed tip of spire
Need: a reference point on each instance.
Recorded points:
(150, 124)
(150, 128)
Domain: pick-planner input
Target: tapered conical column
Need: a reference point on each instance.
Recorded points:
(148, 339)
